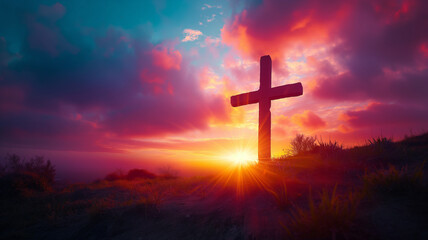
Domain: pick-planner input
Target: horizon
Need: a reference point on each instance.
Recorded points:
(145, 84)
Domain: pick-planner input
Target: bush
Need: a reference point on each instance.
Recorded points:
(301, 144)
(114, 176)
(380, 144)
(132, 175)
(139, 173)
(18, 176)
(327, 149)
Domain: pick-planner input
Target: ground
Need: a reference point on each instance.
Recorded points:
(376, 191)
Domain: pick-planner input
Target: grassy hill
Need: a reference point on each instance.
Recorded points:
(376, 191)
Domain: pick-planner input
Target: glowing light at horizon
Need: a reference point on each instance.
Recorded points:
(242, 157)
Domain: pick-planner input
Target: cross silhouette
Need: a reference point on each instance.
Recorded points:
(264, 96)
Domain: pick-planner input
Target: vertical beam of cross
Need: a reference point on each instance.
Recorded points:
(264, 96)
(264, 109)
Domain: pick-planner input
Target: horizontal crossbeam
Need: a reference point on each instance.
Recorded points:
(290, 90)
(245, 98)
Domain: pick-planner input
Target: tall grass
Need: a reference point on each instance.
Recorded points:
(302, 144)
(280, 196)
(330, 218)
(394, 181)
(328, 149)
(380, 145)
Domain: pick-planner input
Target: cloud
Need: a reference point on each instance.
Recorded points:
(383, 115)
(349, 53)
(376, 46)
(120, 88)
(308, 120)
(208, 6)
(191, 35)
(283, 120)
(272, 27)
(212, 41)
(166, 58)
(212, 18)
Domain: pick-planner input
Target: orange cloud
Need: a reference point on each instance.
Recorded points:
(308, 120)
(210, 80)
(344, 129)
(274, 35)
(283, 120)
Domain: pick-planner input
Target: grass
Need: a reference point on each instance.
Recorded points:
(94, 200)
(142, 204)
(280, 196)
(393, 181)
(99, 209)
(330, 218)
(328, 150)
(303, 145)
(148, 206)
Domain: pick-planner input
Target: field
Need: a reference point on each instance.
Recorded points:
(375, 191)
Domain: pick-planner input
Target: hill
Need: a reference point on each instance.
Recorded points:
(375, 191)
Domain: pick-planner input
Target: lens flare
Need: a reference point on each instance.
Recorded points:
(242, 157)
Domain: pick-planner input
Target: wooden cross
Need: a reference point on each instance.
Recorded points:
(263, 96)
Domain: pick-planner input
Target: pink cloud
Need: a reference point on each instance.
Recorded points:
(166, 58)
(272, 27)
(346, 53)
(309, 120)
(383, 114)
(377, 47)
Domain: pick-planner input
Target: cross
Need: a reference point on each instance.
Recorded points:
(264, 96)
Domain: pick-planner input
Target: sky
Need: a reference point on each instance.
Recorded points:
(102, 85)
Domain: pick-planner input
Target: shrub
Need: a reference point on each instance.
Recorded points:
(327, 149)
(139, 173)
(380, 144)
(132, 175)
(114, 176)
(19, 176)
(301, 144)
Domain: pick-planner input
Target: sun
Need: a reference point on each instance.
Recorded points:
(242, 157)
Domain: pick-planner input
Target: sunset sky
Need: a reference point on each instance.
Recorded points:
(112, 84)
